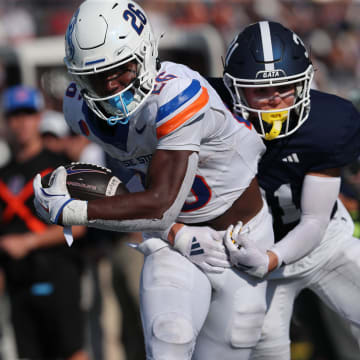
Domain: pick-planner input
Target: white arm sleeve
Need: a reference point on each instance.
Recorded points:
(317, 201)
(169, 216)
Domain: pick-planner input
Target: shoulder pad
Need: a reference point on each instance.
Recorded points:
(183, 100)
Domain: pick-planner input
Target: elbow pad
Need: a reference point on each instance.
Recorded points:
(317, 201)
(155, 225)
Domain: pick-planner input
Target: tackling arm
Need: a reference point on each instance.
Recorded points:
(319, 193)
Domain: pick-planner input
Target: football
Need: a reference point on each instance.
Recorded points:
(89, 181)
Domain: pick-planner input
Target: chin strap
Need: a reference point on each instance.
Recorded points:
(113, 120)
(275, 119)
(121, 102)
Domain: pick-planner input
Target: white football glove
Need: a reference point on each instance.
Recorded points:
(244, 253)
(203, 246)
(50, 202)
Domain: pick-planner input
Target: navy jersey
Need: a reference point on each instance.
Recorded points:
(329, 138)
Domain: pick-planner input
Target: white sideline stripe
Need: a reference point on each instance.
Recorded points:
(267, 45)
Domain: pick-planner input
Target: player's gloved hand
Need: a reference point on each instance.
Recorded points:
(244, 253)
(203, 246)
(49, 202)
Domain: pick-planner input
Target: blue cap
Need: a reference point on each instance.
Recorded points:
(22, 98)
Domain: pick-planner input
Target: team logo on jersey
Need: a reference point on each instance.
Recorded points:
(269, 74)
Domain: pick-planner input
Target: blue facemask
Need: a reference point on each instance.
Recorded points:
(127, 97)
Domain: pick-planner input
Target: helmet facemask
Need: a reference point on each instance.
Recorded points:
(276, 123)
(119, 106)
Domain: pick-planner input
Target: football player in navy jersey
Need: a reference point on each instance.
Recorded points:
(309, 136)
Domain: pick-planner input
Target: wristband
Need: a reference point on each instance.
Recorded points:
(75, 213)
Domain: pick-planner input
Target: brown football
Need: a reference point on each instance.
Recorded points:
(89, 181)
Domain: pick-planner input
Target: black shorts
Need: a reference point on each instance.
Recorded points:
(48, 322)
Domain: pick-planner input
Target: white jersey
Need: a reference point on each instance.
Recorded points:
(183, 113)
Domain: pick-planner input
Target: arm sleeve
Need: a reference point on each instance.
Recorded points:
(317, 201)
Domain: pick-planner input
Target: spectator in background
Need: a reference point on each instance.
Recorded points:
(57, 137)
(17, 25)
(54, 131)
(194, 12)
(98, 245)
(79, 148)
(42, 273)
(101, 244)
(5, 153)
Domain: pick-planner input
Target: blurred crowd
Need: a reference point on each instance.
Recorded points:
(330, 28)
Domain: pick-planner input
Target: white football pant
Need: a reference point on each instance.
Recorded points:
(331, 271)
(188, 313)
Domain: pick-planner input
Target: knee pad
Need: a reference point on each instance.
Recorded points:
(247, 322)
(173, 328)
(173, 338)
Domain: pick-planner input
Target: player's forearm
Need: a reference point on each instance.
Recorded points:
(159, 222)
(127, 216)
(319, 195)
(142, 205)
(299, 242)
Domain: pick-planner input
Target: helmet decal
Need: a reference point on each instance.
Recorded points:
(70, 49)
(266, 74)
(298, 41)
(135, 15)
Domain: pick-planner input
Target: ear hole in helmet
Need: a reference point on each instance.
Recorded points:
(137, 82)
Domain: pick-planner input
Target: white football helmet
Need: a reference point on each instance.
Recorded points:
(102, 36)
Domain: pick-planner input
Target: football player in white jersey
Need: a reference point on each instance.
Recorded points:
(197, 164)
(309, 135)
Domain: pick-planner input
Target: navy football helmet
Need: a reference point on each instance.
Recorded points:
(267, 54)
